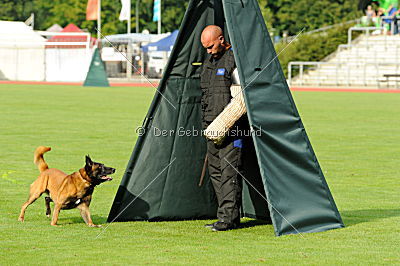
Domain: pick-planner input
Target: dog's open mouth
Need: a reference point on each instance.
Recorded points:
(106, 178)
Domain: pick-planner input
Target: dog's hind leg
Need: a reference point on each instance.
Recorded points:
(36, 190)
(47, 202)
(32, 197)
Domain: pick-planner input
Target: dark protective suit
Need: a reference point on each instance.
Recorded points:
(216, 79)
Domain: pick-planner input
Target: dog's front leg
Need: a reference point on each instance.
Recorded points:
(85, 213)
(57, 208)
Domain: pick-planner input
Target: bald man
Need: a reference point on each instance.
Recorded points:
(222, 113)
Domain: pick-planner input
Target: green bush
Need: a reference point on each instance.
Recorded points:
(311, 47)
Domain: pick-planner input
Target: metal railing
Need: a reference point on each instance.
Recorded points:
(347, 68)
(301, 65)
(366, 29)
(391, 18)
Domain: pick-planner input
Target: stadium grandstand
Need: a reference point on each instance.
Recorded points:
(369, 60)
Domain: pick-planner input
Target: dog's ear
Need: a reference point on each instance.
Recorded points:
(89, 161)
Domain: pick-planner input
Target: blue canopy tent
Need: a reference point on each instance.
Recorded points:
(164, 44)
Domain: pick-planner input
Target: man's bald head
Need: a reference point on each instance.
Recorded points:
(213, 40)
(211, 33)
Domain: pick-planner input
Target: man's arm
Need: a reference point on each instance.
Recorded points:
(217, 130)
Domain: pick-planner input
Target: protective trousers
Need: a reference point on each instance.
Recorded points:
(224, 162)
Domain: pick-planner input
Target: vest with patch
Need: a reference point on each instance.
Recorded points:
(215, 83)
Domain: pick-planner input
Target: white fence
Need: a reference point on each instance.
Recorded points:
(41, 59)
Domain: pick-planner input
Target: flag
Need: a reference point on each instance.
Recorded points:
(125, 10)
(157, 10)
(92, 10)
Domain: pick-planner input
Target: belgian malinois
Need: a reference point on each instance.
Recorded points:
(66, 191)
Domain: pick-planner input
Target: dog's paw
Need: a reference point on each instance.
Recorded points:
(95, 225)
(21, 219)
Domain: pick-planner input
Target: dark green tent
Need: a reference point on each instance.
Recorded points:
(97, 75)
(161, 179)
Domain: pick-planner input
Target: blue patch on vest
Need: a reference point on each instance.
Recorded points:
(220, 71)
(238, 143)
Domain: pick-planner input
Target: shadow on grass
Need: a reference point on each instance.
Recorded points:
(103, 220)
(350, 218)
(78, 219)
(252, 223)
(354, 217)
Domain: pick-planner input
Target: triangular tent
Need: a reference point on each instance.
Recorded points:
(162, 176)
(97, 75)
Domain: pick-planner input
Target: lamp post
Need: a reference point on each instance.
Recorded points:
(129, 19)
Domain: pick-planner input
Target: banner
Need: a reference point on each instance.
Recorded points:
(92, 10)
(125, 10)
(157, 10)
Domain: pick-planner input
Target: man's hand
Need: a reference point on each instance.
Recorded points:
(216, 133)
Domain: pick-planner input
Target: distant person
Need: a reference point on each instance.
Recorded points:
(390, 12)
(378, 20)
(381, 12)
(395, 23)
(370, 13)
(370, 17)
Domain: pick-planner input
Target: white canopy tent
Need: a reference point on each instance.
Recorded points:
(21, 51)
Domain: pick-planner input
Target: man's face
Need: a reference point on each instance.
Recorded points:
(214, 46)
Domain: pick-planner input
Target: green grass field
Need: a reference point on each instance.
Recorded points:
(355, 136)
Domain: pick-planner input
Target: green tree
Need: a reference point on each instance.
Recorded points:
(281, 15)
(267, 13)
(293, 16)
(15, 10)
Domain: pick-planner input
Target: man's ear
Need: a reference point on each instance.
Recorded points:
(88, 161)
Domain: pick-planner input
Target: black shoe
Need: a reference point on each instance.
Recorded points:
(221, 226)
(211, 225)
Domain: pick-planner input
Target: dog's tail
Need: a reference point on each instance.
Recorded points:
(38, 158)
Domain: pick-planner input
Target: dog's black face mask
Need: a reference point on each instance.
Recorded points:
(98, 172)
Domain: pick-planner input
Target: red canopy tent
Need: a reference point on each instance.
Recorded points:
(71, 28)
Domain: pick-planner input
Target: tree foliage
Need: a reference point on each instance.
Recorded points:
(282, 15)
(64, 12)
(293, 16)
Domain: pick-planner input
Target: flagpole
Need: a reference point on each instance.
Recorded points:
(129, 18)
(129, 46)
(99, 20)
(137, 16)
(159, 19)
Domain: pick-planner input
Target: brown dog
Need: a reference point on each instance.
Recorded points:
(66, 191)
